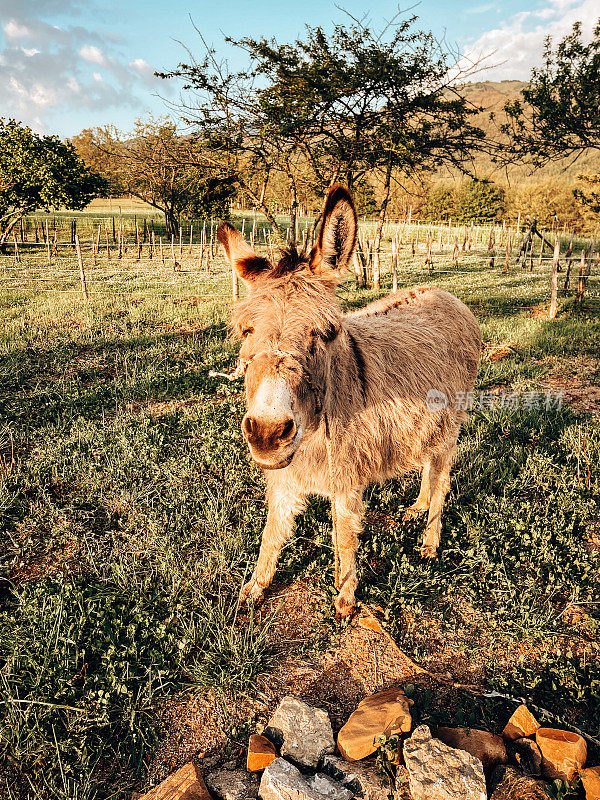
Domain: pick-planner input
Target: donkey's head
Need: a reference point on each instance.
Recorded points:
(288, 323)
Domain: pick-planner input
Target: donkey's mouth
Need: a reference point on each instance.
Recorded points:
(279, 465)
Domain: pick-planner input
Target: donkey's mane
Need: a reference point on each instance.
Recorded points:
(290, 260)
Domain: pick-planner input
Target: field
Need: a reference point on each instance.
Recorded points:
(131, 515)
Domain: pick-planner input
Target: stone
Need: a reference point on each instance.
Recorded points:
(487, 747)
(326, 787)
(303, 733)
(283, 781)
(526, 755)
(522, 723)
(383, 713)
(507, 784)
(185, 784)
(439, 772)
(261, 753)
(362, 778)
(232, 784)
(590, 778)
(563, 753)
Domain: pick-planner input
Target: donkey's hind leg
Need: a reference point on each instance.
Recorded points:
(439, 477)
(422, 502)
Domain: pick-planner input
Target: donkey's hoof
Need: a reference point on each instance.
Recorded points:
(414, 511)
(252, 592)
(344, 606)
(428, 551)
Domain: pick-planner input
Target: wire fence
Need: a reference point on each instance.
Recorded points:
(128, 264)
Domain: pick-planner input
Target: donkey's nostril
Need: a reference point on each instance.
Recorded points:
(248, 426)
(288, 429)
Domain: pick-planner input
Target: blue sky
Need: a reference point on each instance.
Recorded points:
(70, 64)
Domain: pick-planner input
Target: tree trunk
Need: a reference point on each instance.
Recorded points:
(8, 229)
(260, 203)
(379, 230)
(293, 211)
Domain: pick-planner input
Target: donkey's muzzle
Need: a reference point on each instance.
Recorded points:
(272, 443)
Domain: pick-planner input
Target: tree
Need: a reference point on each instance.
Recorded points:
(336, 107)
(170, 172)
(96, 158)
(559, 116)
(440, 203)
(40, 172)
(479, 201)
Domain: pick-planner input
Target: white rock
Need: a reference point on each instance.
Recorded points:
(439, 772)
(303, 733)
(326, 787)
(283, 781)
(231, 784)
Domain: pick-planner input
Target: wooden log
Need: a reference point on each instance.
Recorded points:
(84, 290)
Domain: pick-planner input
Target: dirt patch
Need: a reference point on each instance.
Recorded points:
(577, 379)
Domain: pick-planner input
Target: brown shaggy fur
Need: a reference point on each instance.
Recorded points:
(364, 375)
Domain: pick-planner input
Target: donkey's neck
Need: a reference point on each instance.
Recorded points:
(347, 387)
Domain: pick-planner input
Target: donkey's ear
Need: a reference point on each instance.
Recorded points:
(248, 264)
(337, 236)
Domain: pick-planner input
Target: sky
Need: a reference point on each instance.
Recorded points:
(66, 65)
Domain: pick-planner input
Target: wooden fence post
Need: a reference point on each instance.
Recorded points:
(84, 290)
(568, 259)
(48, 243)
(554, 280)
(394, 264)
(581, 280)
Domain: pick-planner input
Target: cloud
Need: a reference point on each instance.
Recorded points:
(511, 50)
(48, 70)
(91, 53)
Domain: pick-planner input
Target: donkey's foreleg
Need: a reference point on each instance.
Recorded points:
(349, 511)
(284, 505)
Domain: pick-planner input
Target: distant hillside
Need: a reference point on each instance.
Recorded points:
(491, 96)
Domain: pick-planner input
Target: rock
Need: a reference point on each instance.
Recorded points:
(362, 778)
(384, 713)
(487, 747)
(439, 772)
(522, 723)
(590, 778)
(261, 753)
(527, 755)
(283, 781)
(508, 784)
(326, 787)
(186, 783)
(232, 784)
(563, 753)
(304, 733)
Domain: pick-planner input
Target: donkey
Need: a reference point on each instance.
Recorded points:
(337, 401)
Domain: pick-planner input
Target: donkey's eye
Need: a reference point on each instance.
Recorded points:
(247, 332)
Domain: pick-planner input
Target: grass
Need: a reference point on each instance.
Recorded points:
(130, 515)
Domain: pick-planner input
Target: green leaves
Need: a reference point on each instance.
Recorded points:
(40, 172)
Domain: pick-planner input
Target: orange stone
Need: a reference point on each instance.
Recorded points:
(383, 713)
(371, 623)
(563, 753)
(521, 724)
(185, 784)
(590, 779)
(261, 753)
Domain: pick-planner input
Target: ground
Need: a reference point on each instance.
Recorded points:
(131, 515)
